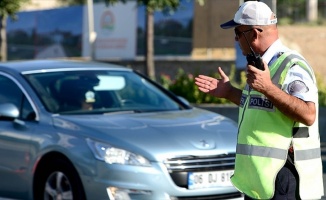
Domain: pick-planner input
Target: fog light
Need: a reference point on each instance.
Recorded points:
(124, 194)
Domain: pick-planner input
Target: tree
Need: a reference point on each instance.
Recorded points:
(7, 8)
(151, 7)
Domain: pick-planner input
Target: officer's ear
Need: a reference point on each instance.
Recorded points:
(256, 32)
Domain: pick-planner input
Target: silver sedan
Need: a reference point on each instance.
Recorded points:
(86, 130)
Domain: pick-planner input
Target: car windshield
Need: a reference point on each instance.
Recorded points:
(98, 91)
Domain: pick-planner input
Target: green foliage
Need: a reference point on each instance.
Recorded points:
(321, 90)
(72, 2)
(291, 10)
(184, 85)
(10, 7)
(285, 21)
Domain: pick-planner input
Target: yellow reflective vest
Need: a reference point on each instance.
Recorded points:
(265, 136)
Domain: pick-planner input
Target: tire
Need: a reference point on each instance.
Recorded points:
(57, 179)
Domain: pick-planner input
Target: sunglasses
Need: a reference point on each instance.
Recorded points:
(239, 33)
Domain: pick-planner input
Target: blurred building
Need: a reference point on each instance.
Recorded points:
(209, 40)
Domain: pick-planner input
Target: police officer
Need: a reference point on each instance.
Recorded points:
(278, 149)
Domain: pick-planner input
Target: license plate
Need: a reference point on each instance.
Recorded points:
(197, 180)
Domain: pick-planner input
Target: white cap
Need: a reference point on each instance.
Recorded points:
(251, 13)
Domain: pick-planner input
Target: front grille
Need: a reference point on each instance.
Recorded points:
(214, 197)
(200, 163)
(179, 167)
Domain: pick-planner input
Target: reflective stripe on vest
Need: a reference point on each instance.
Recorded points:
(270, 152)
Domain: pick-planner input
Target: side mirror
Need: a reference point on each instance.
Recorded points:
(8, 111)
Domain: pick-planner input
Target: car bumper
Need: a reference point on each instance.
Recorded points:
(144, 183)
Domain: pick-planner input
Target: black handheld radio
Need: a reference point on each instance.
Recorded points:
(254, 58)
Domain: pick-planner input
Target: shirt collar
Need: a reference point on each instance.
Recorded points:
(274, 49)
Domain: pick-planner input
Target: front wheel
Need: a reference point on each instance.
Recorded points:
(58, 180)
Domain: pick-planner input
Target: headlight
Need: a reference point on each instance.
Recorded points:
(113, 155)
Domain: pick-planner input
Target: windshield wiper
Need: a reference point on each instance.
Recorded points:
(123, 112)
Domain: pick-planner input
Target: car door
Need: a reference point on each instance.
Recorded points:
(15, 141)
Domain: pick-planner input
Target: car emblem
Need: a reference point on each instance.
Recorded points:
(204, 144)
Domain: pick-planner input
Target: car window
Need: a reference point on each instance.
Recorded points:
(98, 91)
(11, 93)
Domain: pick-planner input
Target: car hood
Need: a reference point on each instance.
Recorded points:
(158, 135)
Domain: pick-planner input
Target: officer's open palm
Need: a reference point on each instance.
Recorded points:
(213, 86)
